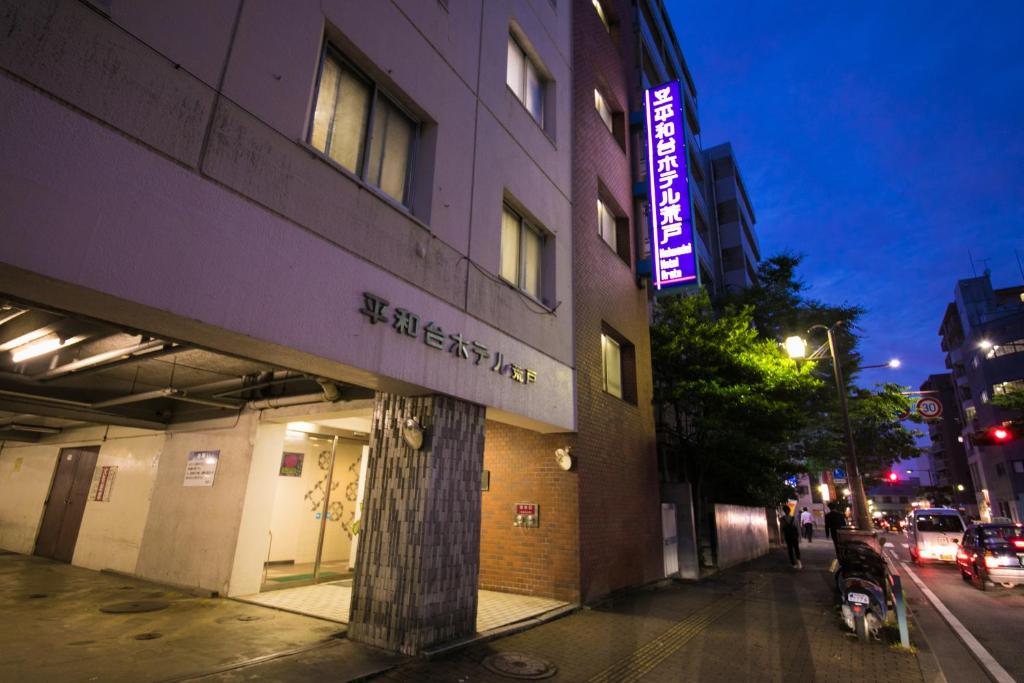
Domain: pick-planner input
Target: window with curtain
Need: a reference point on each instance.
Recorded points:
(611, 361)
(606, 226)
(525, 80)
(522, 251)
(362, 129)
(603, 110)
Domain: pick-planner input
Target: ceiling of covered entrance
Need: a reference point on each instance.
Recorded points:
(59, 371)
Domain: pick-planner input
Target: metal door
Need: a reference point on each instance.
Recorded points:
(66, 504)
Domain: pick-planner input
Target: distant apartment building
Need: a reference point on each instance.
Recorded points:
(982, 333)
(947, 454)
(736, 239)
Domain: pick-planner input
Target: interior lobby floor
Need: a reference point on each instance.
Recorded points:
(331, 601)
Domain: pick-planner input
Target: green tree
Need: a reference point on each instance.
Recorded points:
(729, 401)
(1013, 401)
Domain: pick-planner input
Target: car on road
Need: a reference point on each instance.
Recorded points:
(934, 534)
(992, 552)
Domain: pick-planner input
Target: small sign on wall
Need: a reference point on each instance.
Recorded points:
(291, 464)
(527, 515)
(201, 468)
(104, 483)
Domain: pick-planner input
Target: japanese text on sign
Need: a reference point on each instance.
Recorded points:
(406, 323)
(673, 259)
(201, 468)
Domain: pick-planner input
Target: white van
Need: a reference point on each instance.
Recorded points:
(934, 534)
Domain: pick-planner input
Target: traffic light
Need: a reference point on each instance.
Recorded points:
(996, 436)
(892, 477)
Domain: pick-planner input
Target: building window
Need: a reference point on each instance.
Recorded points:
(618, 364)
(1018, 466)
(606, 224)
(613, 229)
(522, 250)
(362, 129)
(1010, 387)
(525, 80)
(984, 396)
(599, 8)
(611, 361)
(971, 413)
(603, 110)
(1015, 346)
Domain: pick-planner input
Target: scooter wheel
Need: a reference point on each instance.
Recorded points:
(860, 627)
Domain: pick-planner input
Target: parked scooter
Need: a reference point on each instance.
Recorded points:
(860, 580)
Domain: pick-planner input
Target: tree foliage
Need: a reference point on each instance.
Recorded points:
(736, 416)
(729, 400)
(1013, 402)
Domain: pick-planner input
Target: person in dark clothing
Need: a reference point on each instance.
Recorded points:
(834, 521)
(791, 535)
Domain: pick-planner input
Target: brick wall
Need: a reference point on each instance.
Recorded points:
(619, 513)
(542, 561)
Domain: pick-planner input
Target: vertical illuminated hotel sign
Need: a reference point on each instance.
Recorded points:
(673, 260)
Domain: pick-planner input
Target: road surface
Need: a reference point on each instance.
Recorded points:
(995, 617)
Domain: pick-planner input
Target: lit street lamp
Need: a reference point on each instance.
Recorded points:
(796, 348)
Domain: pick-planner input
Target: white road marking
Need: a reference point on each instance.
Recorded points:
(997, 672)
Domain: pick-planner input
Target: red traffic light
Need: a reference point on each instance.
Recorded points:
(893, 477)
(997, 435)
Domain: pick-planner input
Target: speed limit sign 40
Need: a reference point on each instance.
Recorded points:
(929, 408)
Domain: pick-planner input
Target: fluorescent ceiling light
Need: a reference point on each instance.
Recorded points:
(38, 347)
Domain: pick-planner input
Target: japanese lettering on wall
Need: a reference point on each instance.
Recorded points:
(672, 254)
(408, 324)
(103, 483)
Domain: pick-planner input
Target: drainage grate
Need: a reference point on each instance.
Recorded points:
(152, 635)
(135, 607)
(519, 665)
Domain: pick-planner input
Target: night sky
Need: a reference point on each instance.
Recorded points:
(881, 140)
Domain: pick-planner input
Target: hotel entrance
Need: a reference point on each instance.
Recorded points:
(311, 475)
(312, 532)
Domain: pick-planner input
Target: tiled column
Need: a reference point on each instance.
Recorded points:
(419, 550)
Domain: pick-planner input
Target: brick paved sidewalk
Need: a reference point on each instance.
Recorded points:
(763, 621)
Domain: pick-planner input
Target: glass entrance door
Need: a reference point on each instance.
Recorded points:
(311, 526)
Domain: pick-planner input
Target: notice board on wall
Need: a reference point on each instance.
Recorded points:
(201, 468)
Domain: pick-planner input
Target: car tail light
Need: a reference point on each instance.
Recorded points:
(992, 560)
(961, 555)
(1017, 542)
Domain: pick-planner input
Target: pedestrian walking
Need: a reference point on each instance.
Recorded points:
(791, 535)
(834, 521)
(807, 523)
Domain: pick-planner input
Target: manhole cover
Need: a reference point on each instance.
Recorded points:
(134, 607)
(152, 635)
(519, 665)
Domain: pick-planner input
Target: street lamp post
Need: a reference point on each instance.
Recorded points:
(796, 349)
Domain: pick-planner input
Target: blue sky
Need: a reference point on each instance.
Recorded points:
(881, 140)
